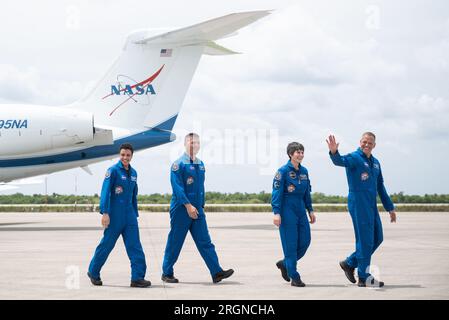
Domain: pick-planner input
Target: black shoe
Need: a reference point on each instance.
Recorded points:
(142, 283)
(169, 279)
(298, 283)
(95, 282)
(371, 283)
(281, 266)
(349, 272)
(222, 275)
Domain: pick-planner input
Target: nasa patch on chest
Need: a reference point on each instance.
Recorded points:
(291, 188)
(376, 166)
(133, 178)
(364, 176)
(118, 190)
(123, 177)
(292, 174)
(189, 180)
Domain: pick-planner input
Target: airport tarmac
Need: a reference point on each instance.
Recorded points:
(46, 255)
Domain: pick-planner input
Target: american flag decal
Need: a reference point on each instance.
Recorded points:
(166, 52)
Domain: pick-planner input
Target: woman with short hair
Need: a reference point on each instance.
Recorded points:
(290, 200)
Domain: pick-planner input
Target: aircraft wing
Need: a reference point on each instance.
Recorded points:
(5, 187)
(15, 184)
(28, 181)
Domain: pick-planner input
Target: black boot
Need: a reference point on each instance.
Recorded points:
(95, 281)
(222, 275)
(298, 283)
(349, 272)
(281, 266)
(141, 283)
(169, 279)
(370, 283)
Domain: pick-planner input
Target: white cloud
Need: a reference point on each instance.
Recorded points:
(16, 85)
(28, 86)
(307, 70)
(435, 56)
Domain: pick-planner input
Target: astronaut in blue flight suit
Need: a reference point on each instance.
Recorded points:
(365, 182)
(118, 206)
(187, 213)
(290, 199)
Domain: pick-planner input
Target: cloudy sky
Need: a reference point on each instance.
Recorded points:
(309, 69)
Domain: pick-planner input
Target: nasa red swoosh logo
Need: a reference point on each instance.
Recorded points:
(128, 89)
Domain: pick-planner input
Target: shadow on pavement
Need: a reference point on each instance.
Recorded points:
(128, 287)
(223, 283)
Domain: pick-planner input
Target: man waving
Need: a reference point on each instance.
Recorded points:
(365, 182)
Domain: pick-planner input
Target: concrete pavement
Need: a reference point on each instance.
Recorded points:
(46, 255)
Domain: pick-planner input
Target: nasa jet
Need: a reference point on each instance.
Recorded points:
(137, 101)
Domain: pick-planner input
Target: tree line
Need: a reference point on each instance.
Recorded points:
(211, 198)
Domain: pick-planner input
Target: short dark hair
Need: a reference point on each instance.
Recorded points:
(292, 147)
(127, 146)
(368, 133)
(191, 135)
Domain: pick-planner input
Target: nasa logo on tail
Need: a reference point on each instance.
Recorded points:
(139, 92)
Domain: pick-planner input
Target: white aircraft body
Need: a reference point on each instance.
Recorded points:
(137, 101)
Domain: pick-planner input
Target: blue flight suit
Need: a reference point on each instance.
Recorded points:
(119, 200)
(187, 180)
(365, 182)
(290, 198)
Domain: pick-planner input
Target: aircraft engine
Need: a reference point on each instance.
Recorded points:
(33, 129)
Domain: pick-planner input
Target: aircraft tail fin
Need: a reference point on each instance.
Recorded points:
(146, 86)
